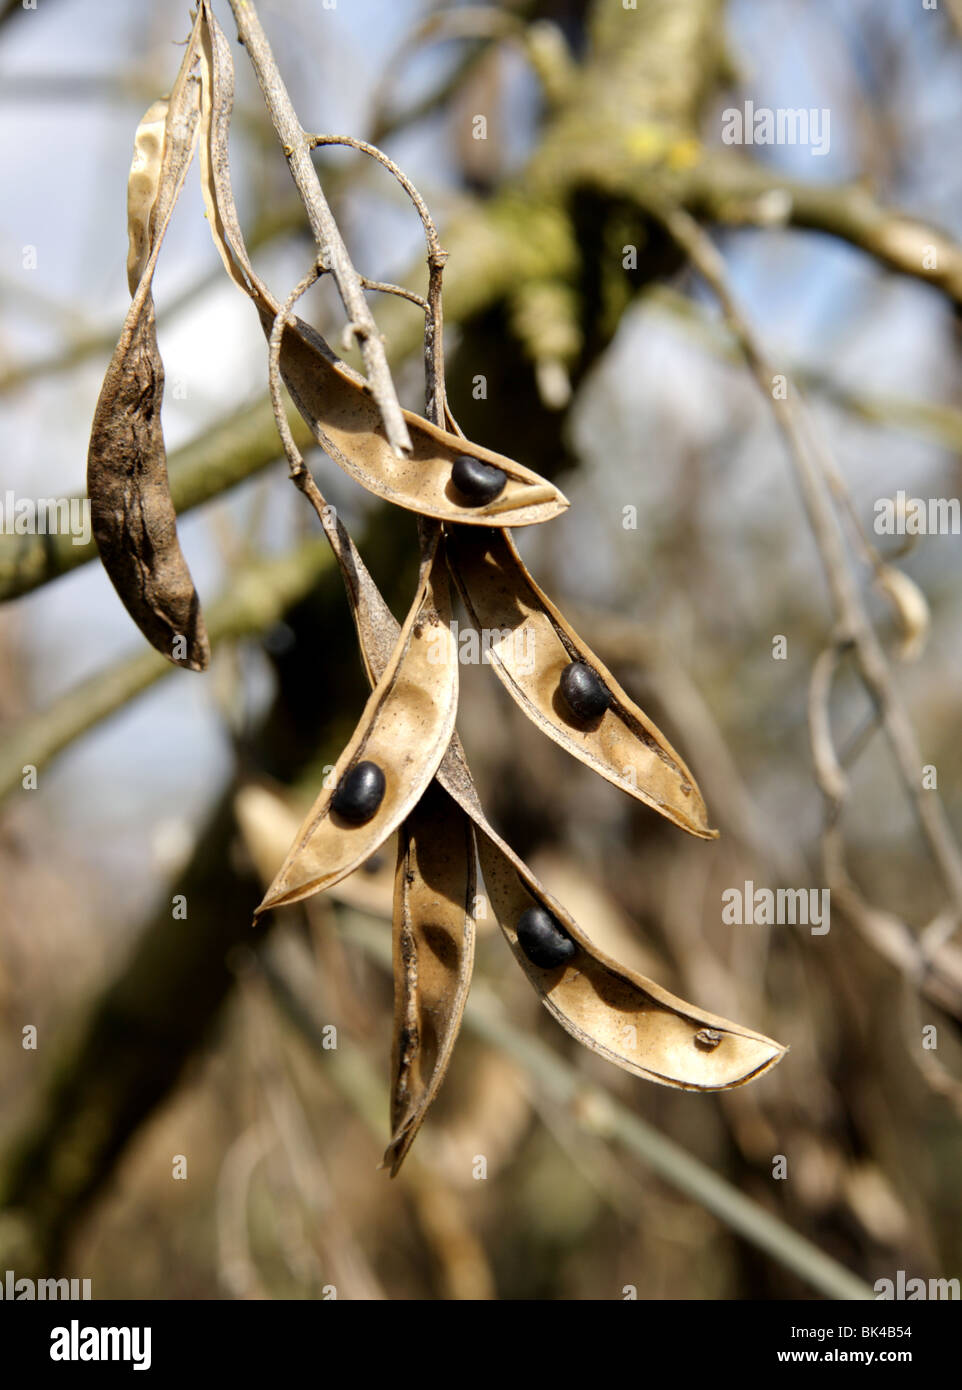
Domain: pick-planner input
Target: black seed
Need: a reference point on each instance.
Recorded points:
(543, 940)
(477, 482)
(584, 691)
(359, 793)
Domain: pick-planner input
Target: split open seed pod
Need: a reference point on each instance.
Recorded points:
(268, 823)
(532, 649)
(402, 734)
(344, 419)
(336, 403)
(614, 1011)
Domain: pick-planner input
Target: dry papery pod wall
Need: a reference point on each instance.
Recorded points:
(403, 769)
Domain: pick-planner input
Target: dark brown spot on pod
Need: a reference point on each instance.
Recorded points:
(476, 483)
(543, 939)
(359, 793)
(585, 693)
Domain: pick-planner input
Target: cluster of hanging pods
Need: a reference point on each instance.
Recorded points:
(404, 769)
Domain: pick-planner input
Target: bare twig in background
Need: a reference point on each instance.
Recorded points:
(542, 43)
(435, 398)
(236, 1267)
(854, 623)
(463, 1263)
(326, 1228)
(620, 641)
(737, 191)
(333, 252)
(829, 773)
(936, 1074)
(939, 976)
(933, 967)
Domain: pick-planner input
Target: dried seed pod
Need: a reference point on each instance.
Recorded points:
(404, 730)
(613, 1010)
(623, 744)
(268, 823)
(433, 957)
(133, 518)
(345, 421)
(335, 402)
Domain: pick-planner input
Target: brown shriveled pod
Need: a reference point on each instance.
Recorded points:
(335, 402)
(531, 651)
(133, 518)
(434, 930)
(613, 1010)
(402, 735)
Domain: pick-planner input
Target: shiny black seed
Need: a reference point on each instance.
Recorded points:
(477, 482)
(541, 937)
(584, 691)
(359, 793)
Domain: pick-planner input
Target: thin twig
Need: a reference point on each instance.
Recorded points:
(543, 46)
(435, 396)
(326, 1227)
(236, 1268)
(383, 287)
(933, 1070)
(854, 623)
(333, 252)
(300, 474)
(928, 961)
